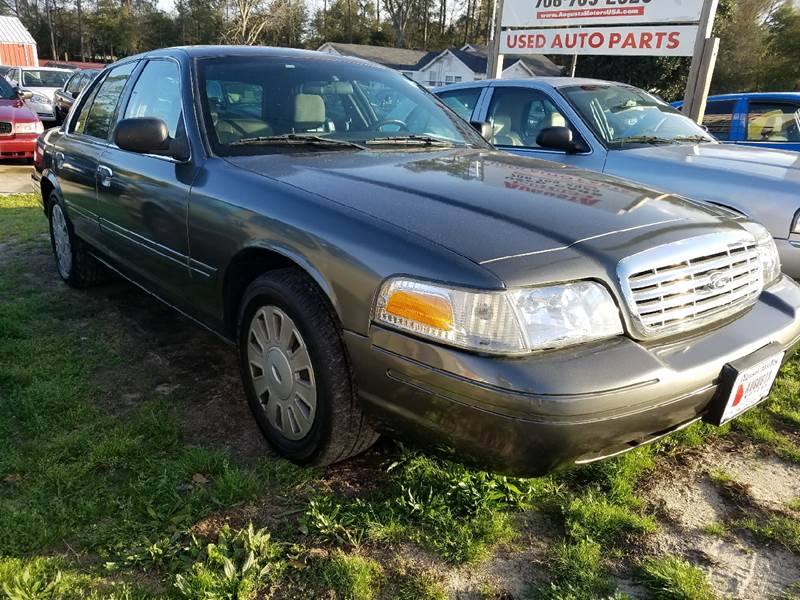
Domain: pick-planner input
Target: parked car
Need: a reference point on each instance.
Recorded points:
(19, 125)
(398, 274)
(65, 97)
(42, 83)
(621, 130)
(763, 120)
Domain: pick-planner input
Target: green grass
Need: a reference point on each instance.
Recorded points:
(351, 577)
(776, 528)
(716, 529)
(419, 586)
(673, 578)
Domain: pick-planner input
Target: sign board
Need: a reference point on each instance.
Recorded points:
(552, 13)
(664, 40)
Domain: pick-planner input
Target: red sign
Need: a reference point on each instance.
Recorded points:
(653, 40)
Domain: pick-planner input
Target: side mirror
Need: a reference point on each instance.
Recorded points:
(24, 94)
(558, 138)
(147, 135)
(484, 128)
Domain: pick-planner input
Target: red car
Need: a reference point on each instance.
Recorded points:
(19, 125)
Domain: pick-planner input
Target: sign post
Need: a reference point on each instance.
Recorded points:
(704, 58)
(494, 66)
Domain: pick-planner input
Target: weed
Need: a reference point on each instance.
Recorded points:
(419, 586)
(351, 577)
(673, 578)
(715, 528)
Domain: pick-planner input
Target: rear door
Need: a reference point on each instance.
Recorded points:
(463, 101)
(78, 151)
(143, 199)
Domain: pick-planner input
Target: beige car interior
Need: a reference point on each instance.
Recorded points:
(504, 133)
(308, 115)
(768, 127)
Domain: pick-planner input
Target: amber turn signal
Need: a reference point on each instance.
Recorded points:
(427, 309)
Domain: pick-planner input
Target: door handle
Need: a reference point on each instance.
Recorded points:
(105, 175)
(59, 160)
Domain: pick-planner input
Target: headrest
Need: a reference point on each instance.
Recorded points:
(501, 123)
(557, 120)
(309, 108)
(774, 124)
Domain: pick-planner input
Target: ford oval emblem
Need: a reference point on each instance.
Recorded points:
(717, 280)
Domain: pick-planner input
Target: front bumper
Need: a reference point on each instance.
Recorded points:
(527, 416)
(18, 146)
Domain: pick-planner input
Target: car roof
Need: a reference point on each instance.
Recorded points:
(755, 95)
(554, 82)
(222, 51)
(59, 69)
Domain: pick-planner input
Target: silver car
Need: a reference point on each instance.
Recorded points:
(621, 130)
(42, 82)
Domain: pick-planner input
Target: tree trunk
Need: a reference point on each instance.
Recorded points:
(53, 49)
(80, 31)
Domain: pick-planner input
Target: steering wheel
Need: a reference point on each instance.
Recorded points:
(402, 124)
(652, 122)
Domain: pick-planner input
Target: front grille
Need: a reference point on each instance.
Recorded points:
(5, 128)
(691, 283)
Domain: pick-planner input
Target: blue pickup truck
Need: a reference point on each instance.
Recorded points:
(763, 119)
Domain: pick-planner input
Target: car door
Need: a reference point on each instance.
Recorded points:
(719, 119)
(773, 124)
(517, 116)
(78, 150)
(143, 199)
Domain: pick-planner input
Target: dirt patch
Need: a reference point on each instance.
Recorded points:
(687, 501)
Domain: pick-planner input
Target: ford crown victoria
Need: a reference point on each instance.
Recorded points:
(380, 267)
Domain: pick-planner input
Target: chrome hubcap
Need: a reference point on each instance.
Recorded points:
(61, 242)
(281, 371)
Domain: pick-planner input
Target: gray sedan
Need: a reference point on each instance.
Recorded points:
(622, 130)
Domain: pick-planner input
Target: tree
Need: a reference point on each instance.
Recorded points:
(400, 12)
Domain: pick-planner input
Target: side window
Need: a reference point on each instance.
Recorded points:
(773, 122)
(103, 107)
(719, 117)
(462, 101)
(519, 115)
(157, 93)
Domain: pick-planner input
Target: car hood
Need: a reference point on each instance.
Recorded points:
(762, 184)
(16, 111)
(761, 162)
(484, 205)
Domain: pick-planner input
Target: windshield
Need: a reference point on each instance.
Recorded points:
(621, 115)
(250, 101)
(41, 78)
(6, 91)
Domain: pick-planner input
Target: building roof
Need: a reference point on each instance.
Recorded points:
(474, 57)
(12, 31)
(396, 58)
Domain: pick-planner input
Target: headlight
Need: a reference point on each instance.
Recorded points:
(767, 251)
(39, 99)
(34, 127)
(504, 322)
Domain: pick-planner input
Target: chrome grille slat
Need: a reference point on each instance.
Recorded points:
(688, 285)
(682, 286)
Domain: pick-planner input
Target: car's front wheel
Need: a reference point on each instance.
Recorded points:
(295, 371)
(74, 263)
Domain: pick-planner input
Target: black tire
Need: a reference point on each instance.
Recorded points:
(83, 270)
(339, 429)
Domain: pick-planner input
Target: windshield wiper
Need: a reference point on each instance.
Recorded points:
(692, 138)
(296, 139)
(642, 139)
(409, 140)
